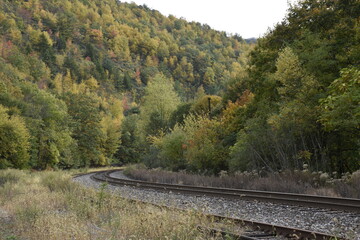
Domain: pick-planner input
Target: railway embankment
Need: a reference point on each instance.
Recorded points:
(339, 223)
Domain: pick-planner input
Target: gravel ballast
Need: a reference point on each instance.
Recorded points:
(339, 223)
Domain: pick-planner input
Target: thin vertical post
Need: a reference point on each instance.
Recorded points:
(209, 102)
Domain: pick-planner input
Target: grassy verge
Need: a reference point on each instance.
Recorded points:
(49, 205)
(303, 182)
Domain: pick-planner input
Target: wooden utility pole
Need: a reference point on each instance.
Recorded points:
(209, 101)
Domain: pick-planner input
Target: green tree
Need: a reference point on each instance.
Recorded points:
(129, 149)
(202, 107)
(111, 128)
(209, 76)
(294, 81)
(44, 46)
(254, 148)
(184, 71)
(14, 139)
(340, 109)
(159, 102)
(340, 115)
(87, 130)
(48, 121)
(204, 149)
(172, 147)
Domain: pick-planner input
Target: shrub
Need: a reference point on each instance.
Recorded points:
(10, 176)
(57, 181)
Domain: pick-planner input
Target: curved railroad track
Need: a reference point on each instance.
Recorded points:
(352, 205)
(347, 204)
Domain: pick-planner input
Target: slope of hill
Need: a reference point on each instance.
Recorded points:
(70, 69)
(121, 45)
(295, 107)
(67, 69)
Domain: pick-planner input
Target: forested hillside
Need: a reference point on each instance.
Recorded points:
(305, 75)
(69, 70)
(297, 106)
(90, 83)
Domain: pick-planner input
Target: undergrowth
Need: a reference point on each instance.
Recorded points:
(49, 205)
(302, 182)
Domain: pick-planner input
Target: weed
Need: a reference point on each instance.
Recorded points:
(48, 205)
(28, 213)
(102, 194)
(55, 181)
(304, 182)
(11, 237)
(10, 176)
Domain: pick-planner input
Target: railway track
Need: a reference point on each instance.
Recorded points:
(347, 204)
(267, 230)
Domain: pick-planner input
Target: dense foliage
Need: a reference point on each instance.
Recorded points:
(70, 70)
(296, 105)
(304, 75)
(90, 83)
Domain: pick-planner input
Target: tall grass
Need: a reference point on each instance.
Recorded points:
(303, 182)
(48, 205)
(9, 176)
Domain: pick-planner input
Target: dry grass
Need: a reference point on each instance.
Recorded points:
(303, 182)
(49, 205)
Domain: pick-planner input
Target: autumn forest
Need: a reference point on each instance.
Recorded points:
(88, 83)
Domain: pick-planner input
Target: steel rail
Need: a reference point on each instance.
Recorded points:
(254, 235)
(347, 204)
(289, 232)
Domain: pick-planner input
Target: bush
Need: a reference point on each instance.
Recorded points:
(349, 186)
(57, 181)
(10, 176)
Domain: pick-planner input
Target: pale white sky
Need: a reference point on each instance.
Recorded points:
(248, 18)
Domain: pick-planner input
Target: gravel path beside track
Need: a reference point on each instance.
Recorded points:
(339, 223)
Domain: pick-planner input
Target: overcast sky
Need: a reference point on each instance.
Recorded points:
(248, 18)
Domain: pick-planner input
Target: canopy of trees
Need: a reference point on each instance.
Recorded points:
(70, 70)
(91, 83)
(296, 104)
